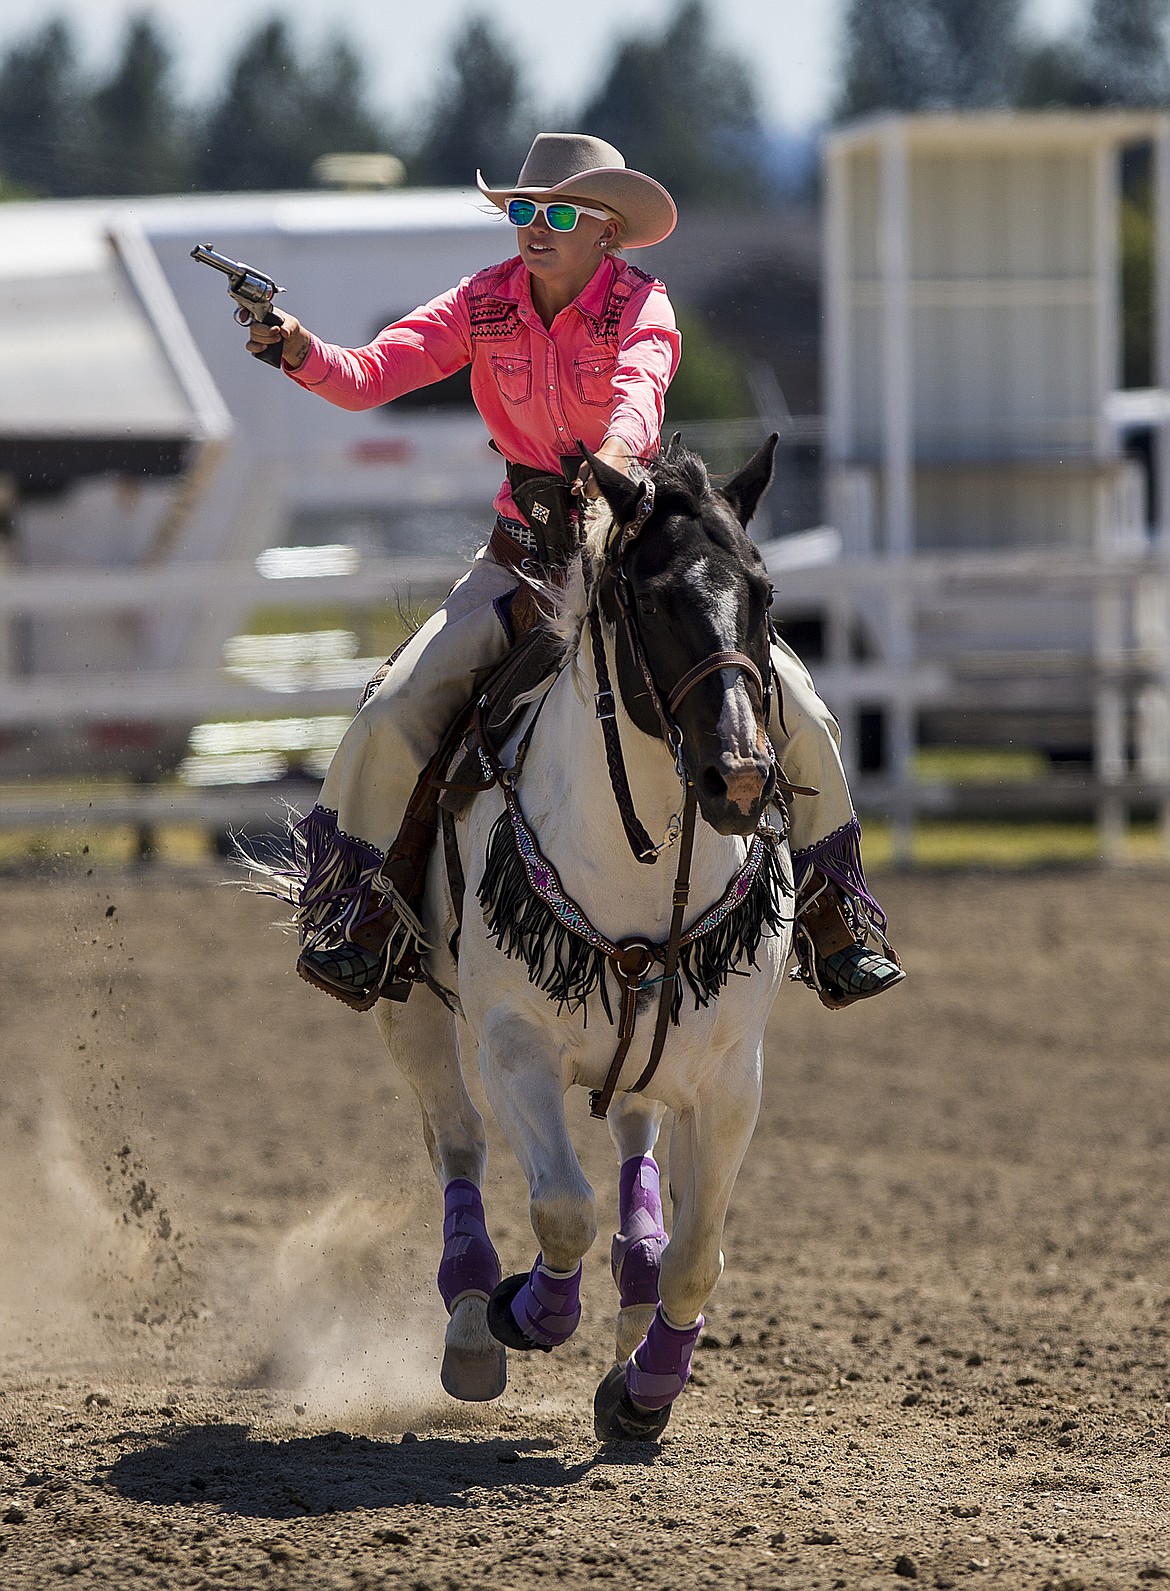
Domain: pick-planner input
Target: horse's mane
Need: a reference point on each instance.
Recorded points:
(680, 482)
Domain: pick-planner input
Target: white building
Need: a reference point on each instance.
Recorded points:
(974, 310)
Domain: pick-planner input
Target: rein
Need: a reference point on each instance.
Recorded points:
(629, 960)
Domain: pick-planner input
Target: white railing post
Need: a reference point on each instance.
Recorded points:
(1109, 717)
(898, 464)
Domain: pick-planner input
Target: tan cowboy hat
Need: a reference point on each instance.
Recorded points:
(589, 169)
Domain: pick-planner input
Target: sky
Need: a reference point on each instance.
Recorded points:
(791, 43)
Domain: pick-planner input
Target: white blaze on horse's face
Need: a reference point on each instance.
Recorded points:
(699, 590)
(740, 732)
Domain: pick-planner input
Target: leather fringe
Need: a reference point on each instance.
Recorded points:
(326, 875)
(838, 857)
(560, 963)
(569, 969)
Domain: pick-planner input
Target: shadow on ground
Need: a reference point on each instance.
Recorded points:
(332, 1473)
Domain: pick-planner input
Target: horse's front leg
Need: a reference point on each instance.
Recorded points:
(638, 1243)
(707, 1147)
(421, 1038)
(523, 1075)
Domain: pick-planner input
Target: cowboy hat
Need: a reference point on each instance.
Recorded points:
(589, 169)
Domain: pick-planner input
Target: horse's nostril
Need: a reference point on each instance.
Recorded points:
(714, 784)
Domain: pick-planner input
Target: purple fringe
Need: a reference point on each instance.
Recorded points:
(331, 879)
(838, 857)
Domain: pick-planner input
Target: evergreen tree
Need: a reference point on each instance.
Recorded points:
(138, 138)
(1125, 52)
(42, 114)
(981, 50)
(475, 122)
(907, 55)
(684, 109)
(1053, 72)
(275, 116)
(253, 137)
(337, 114)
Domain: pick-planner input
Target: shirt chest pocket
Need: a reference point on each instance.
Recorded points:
(594, 377)
(513, 376)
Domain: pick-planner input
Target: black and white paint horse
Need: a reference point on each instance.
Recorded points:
(669, 598)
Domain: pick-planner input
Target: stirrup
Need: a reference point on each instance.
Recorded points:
(855, 973)
(852, 970)
(386, 966)
(349, 972)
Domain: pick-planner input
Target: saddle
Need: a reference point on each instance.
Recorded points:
(500, 693)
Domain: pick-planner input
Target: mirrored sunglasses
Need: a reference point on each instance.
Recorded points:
(559, 216)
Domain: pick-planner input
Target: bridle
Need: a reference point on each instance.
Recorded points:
(636, 956)
(640, 843)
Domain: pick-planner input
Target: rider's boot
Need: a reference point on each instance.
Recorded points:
(832, 942)
(380, 958)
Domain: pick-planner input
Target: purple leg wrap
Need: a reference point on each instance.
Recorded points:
(469, 1263)
(637, 1249)
(838, 857)
(548, 1308)
(660, 1366)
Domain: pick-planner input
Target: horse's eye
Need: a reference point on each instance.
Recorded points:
(771, 595)
(646, 605)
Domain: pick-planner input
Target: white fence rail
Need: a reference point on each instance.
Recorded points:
(1121, 663)
(1124, 663)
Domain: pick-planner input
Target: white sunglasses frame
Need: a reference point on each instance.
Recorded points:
(542, 210)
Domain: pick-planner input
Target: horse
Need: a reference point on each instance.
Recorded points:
(669, 597)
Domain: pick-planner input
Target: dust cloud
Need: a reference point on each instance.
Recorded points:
(353, 1319)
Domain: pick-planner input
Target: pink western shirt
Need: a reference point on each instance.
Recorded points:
(601, 369)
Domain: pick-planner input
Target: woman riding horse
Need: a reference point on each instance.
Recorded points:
(567, 342)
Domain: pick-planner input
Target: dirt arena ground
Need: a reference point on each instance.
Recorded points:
(939, 1352)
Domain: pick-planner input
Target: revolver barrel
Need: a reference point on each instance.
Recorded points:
(251, 289)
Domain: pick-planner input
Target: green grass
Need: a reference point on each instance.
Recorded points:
(979, 765)
(939, 844)
(77, 850)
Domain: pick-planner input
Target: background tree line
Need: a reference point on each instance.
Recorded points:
(65, 132)
(921, 55)
(677, 102)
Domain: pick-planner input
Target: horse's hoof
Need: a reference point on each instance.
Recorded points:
(474, 1377)
(475, 1365)
(502, 1322)
(616, 1418)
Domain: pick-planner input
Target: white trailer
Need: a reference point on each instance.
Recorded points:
(135, 433)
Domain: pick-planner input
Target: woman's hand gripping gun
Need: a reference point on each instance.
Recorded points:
(253, 293)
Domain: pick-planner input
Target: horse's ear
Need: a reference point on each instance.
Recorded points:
(675, 441)
(744, 490)
(623, 495)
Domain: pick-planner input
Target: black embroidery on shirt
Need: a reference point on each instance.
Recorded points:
(492, 318)
(605, 326)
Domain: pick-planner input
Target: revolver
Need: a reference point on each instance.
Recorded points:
(252, 291)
